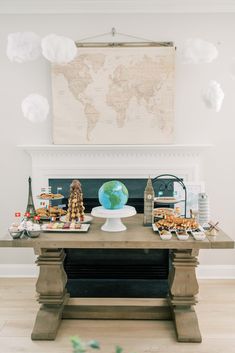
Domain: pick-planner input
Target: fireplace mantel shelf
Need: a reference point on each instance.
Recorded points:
(114, 161)
(170, 148)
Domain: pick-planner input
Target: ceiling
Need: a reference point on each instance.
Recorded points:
(115, 6)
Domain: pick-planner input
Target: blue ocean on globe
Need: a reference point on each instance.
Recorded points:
(113, 195)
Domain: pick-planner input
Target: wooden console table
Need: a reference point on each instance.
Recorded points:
(54, 300)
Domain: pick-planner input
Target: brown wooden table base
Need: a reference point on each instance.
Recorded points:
(52, 294)
(160, 311)
(183, 286)
(186, 325)
(183, 290)
(55, 303)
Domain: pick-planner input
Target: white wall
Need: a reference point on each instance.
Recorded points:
(193, 123)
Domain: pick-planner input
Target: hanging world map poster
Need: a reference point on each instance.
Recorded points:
(115, 95)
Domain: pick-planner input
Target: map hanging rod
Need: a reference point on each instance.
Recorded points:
(144, 42)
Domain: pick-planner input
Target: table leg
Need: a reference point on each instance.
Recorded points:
(52, 294)
(183, 289)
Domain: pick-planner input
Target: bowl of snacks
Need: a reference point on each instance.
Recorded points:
(182, 234)
(199, 234)
(33, 230)
(165, 234)
(33, 233)
(15, 232)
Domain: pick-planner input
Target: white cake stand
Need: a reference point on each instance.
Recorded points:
(113, 217)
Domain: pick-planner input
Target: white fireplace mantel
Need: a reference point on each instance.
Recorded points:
(187, 149)
(114, 161)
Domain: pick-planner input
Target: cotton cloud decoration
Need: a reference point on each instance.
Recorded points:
(23, 46)
(35, 108)
(58, 49)
(196, 50)
(213, 96)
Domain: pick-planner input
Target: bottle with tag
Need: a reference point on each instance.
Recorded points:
(203, 209)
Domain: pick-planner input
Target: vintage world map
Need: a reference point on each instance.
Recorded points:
(114, 96)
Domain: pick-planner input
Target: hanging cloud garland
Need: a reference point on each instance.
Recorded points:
(58, 49)
(196, 50)
(213, 96)
(35, 108)
(23, 46)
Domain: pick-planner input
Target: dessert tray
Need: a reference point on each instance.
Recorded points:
(28, 229)
(87, 219)
(181, 227)
(161, 212)
(50, 196)
(46, 214)
(57, 228)
(166, 200)
(197, 234)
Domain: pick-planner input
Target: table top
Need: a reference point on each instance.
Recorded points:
(135, 237)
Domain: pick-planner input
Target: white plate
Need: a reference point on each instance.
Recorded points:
(166, 201)
(47, 219)
(84, 228)
(49, 199)
(87, 219)
(163, 211)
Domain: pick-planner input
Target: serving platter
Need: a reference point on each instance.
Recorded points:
(160, 212)
(87, 219)
(49, 198)
(198, 235)
(47, 219)
(167, 200)
(49, 213)
(84, 228)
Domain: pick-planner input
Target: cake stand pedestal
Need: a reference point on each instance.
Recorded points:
(113, 217)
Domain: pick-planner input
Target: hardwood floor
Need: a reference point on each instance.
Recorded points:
(216, 314)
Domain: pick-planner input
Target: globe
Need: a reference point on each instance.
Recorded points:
(113, 195)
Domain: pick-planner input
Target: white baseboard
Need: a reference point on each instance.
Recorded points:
(216, 272)
(203, 271)
(18, 270)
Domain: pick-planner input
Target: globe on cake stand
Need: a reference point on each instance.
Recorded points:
(113, 217)
(113, 196)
